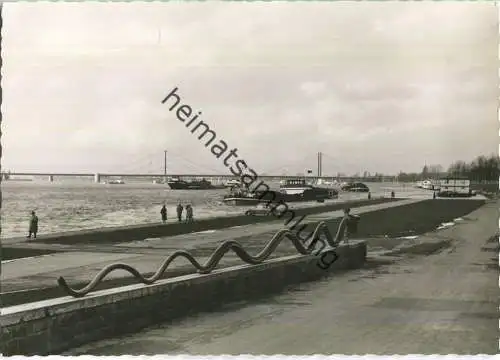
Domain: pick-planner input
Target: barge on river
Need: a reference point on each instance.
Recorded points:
(203, 184)
(293, 190)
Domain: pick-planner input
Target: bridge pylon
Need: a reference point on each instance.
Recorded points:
(97, 178)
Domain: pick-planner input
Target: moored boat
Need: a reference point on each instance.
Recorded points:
(232, 183)
(203, 184)
(114, 182)
(300, 190)
(293, 190)
(159, 181)
(355, 187)
(428, 184)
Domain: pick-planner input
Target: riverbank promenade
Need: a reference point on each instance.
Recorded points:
(79, 263)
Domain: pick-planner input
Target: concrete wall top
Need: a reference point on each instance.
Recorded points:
(40, 309)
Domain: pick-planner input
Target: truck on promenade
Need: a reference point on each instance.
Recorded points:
(454, 187)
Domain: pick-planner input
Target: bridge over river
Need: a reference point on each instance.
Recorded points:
(141, 173)
(99, 177)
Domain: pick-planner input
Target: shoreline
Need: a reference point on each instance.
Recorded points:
(16, 228)
(117, 234)
(69, 209)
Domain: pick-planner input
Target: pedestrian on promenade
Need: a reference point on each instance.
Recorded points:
(189, 213)
(163, 213)
(369, 195)
(33, 229)
(180, 209)
(351, 224)
(393, 194)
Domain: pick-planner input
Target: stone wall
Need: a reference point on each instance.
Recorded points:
(53, 326)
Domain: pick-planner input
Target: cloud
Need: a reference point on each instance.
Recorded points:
(363, 82)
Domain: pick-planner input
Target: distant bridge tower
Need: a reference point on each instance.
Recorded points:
(320, 164)
(165, 165)
(51, 178)
(97, 178)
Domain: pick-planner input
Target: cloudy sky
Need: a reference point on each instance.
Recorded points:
(374, 86)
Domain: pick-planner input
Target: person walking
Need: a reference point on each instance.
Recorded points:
(189, 213)
(33, 229)
(180, 209)
(163, 213)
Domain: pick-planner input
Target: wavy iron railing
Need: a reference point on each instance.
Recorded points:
(215, 258)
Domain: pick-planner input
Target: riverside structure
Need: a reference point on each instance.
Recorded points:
(53, 318)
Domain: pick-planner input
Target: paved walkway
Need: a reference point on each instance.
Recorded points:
(445, 303)
(80, 263)
(193, 240)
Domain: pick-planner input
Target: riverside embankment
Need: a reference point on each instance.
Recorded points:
(33, 279)
(138, 232)
(434, 303)
(52, 322)
(51, 326)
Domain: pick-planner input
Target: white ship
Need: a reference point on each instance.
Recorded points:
(114, 182)
(428, 184)
(233, 183)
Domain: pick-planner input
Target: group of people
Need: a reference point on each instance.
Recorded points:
(179, 210)
(33, 224)
(351, 228)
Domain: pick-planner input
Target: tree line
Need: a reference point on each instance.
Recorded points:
(481, 169)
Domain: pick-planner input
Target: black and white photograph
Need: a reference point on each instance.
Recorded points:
(249, 177)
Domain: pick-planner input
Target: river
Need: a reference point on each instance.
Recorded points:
(77, 204)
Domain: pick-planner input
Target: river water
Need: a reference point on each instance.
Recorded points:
(78, 204)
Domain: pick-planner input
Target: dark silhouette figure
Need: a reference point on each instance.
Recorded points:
(189, 213)
(369, 195)
(163, 213)
(433, 194)
(352, 224)
(393, 195)
(33, 229)
(180, 209)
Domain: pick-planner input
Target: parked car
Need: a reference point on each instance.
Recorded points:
(355, 187)
(260, 209)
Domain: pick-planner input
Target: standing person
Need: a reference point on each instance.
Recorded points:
(351, 226)
(189, 213)
(180, 209)
(33, 229)
(163, 213)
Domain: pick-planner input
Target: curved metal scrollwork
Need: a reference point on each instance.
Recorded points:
(215, 258)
